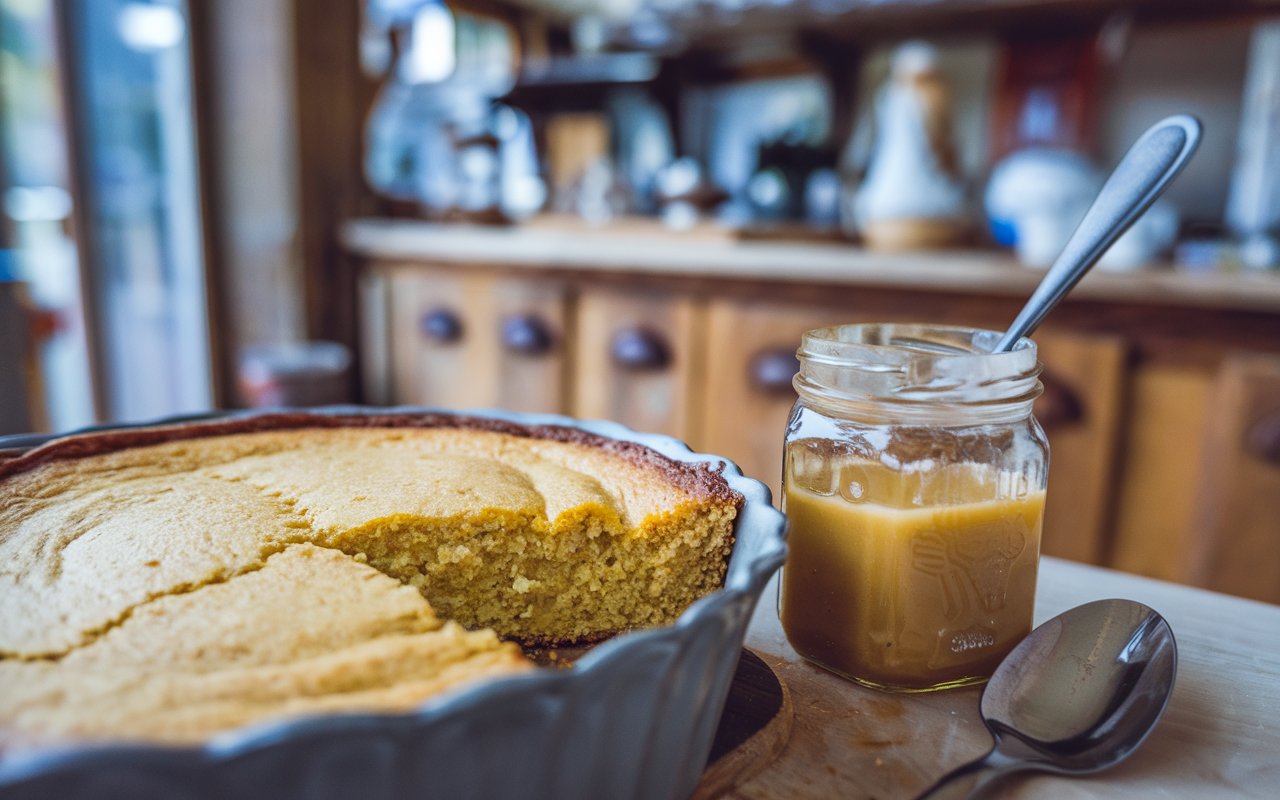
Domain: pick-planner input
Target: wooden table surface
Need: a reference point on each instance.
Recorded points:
(1219, 737)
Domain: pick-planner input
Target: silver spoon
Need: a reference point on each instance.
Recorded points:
(1078, 695)
(1140, 177)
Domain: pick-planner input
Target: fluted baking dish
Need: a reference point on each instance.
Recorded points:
(633, 718)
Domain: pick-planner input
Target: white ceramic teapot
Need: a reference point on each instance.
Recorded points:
(912, 194)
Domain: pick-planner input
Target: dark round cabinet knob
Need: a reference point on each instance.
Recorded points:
(527, 335)
(441, 325)
(1262, 439)
(1059, 405)
(640, 349)
(771, 370)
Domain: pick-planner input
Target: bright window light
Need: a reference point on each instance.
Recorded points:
(149, 28)
(37, 203)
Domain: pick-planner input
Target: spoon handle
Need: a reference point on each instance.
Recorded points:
(970, 779)
(1141, 176)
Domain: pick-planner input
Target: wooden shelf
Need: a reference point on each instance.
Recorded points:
(645, 248)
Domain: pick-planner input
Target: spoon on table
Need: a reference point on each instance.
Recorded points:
(1078, 695)
(1140, 177)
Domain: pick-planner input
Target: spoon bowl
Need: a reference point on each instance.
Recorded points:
(1078, 695)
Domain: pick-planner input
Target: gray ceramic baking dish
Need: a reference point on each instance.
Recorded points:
(634, 718)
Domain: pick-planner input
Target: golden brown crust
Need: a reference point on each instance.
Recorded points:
(700, 480)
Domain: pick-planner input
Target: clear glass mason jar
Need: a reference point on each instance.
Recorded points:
(914, 481)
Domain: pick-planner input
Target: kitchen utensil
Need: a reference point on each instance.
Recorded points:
(1078, 695)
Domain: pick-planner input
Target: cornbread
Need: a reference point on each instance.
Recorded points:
(171, 583)
(311, 630)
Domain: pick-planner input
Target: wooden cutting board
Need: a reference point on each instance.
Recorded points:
(754, 728)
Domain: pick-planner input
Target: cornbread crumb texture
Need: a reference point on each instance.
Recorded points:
(186, 587)
(312, 630)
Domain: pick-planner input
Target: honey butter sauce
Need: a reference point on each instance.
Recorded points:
(909, 580)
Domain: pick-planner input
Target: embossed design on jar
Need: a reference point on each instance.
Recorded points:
(972, 566)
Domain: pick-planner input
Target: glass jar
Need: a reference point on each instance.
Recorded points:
(914, 482)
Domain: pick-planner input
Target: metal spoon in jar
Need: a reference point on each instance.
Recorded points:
(1076, 696)
(1140, 177)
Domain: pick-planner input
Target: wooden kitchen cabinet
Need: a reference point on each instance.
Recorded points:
(1081, 411)
(531, 322)
(1238, 500)
(639, 361)
(440, 338)
(1159, 477)
(440, 349)
(1199, 501)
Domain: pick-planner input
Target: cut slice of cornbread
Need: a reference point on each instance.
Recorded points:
(312, 630)
(503, 533)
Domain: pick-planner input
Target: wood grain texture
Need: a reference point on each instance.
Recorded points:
(1218, 737)
(1164, 445)
(450, 374)
(753, 731)
(1237, 547)
(1082, 451)
(333, 98)
(224, 339)
(527, 381)
(647, 399)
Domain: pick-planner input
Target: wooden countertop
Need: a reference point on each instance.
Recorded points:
(652, 250)
(1220, 735)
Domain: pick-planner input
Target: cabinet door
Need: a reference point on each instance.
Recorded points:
(636, 362)
(1163, 447)
(751, 360)
(529, 322)
(1080, 410)
(462, 340)
(1238, 514)
(441, 340)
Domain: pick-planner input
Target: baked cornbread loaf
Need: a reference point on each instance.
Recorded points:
(311, 631)
(170, 583)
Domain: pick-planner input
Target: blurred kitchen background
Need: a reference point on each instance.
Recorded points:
(631, 209)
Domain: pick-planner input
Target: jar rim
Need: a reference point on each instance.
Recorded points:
(896, 341)
(918, 364)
